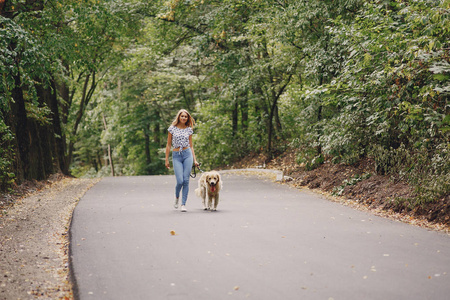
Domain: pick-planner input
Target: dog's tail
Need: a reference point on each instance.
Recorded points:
(198, 192)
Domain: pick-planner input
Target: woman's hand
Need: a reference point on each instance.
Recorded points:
(196, 163)
(167, 164)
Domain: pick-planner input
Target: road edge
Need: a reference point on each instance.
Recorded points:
(355, 204)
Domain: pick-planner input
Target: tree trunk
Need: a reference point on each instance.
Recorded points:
(36, 165)
(109, 148)
(2, 4)
(319, 117)
(156, 133)
(270, 128)
(60, 144)
(20, 122)
(148, 157)
(258, 111)
(86, 95)
(64, 93)
(244, 113)
(46, 132)
(99, 160)
(95, 164)
(273, 110)
(235, 120)
(277, 120)
(319, 132)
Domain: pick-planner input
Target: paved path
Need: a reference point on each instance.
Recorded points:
(266, 241)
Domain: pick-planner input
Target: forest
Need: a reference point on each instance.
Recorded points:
(89, 87)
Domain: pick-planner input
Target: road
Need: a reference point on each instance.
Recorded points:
(266, 241)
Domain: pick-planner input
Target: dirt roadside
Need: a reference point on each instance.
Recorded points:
(34, 241)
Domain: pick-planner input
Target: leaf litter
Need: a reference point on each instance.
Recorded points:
(34, 241)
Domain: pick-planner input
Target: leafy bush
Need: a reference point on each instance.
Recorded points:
(7, 176)
(428, 171)
(337, 191)
(212, 142)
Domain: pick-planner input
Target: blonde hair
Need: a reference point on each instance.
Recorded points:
(189, 123)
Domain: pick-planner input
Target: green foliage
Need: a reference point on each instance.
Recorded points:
(211, 140)
(339, 190)
(337, 80)
(24, 64)
(432, 180)
(311, 160)
(20, 55)
(7, 176)
(397, 65)
(427, 171)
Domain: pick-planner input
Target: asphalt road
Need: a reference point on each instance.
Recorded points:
(266, 241)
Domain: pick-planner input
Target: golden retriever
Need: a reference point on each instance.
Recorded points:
(209, 186)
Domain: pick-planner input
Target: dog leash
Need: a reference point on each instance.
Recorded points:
(195, 173)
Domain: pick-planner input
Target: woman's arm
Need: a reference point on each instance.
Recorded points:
(191, 144)
(168, 146)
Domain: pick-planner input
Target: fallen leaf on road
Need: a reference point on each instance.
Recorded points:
(172, 232)
(236, 288)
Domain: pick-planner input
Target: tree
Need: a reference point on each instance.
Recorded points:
(26, 72)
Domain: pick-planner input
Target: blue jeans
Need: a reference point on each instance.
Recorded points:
(182, 164)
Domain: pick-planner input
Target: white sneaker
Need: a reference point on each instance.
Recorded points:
(176, 203)
(183, 208)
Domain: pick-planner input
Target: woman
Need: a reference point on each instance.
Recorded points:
(183, 156)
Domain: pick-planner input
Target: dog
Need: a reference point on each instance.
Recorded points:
(209, 186)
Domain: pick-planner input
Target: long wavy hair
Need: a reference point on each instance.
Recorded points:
(190, 122)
